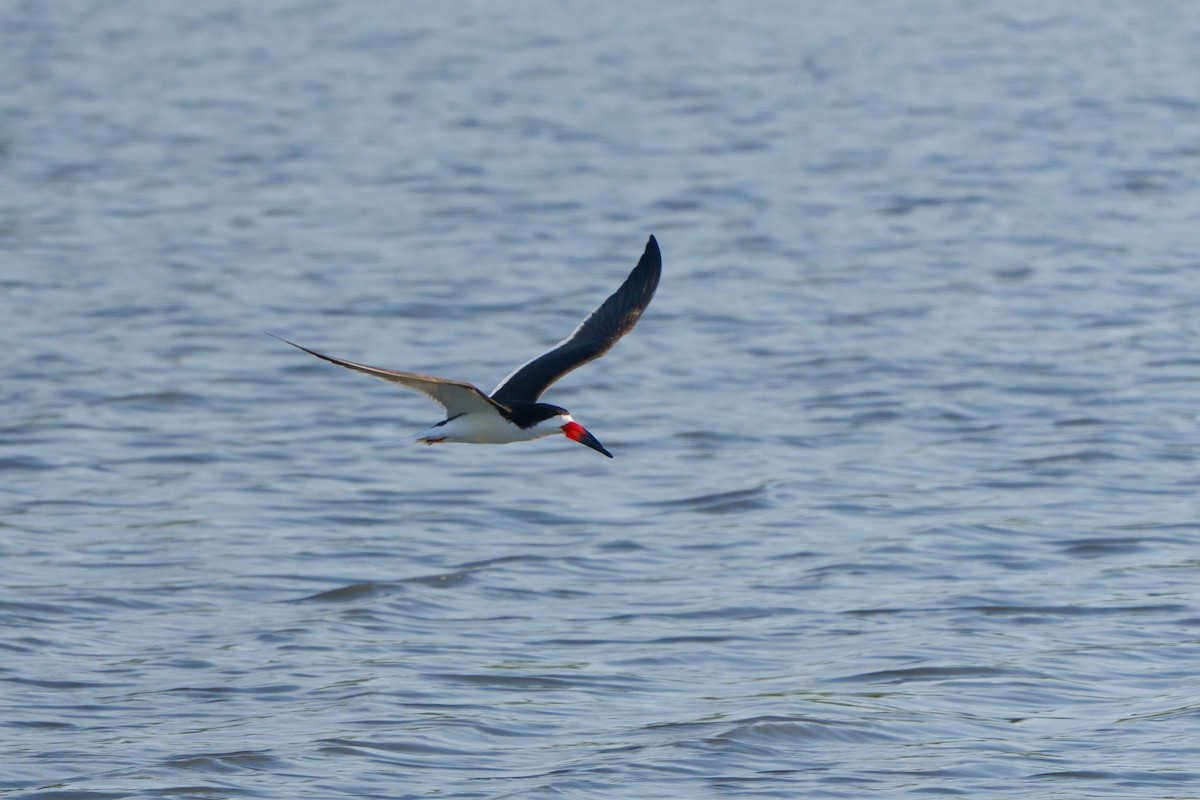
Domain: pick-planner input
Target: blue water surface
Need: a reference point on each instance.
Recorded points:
(904, 500)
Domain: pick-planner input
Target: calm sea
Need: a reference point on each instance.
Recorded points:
(904, 501)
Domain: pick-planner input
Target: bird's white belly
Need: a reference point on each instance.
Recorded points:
(487, 429)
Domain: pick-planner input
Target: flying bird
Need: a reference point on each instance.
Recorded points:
(512, 413)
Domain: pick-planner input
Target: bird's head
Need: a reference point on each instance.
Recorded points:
(577, 433)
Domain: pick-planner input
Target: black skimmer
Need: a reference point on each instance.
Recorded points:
(512, 412)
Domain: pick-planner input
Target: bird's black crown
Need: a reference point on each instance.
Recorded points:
(526, 415)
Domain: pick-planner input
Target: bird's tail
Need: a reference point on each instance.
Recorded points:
(431, 436)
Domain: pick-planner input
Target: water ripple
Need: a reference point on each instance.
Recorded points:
(903, 500)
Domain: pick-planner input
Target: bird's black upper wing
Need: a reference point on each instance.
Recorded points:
(594, 337)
